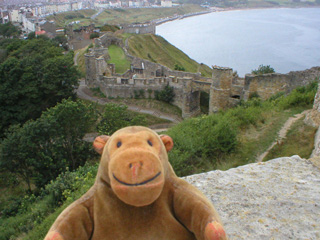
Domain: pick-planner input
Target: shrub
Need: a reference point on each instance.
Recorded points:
(33, 210)
(165, 95)
(179, 68)
(301, 96)
(139, 94)
(94, 35)
(116, 116)
(263, 70)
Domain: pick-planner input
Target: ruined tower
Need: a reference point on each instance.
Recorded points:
(96, 64)
(220, 89)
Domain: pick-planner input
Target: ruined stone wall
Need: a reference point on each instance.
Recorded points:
(108, 39)
(267, 85)
(117, 86)
(313, 117)
(151, 69)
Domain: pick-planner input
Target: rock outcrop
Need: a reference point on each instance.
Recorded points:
(313, 118)
(278, 199)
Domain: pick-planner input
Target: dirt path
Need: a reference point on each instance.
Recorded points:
(75, 59)
(83, 92)
(282, 133)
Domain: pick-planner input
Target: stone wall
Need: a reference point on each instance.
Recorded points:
(108, 39)
(313, 118)
(278, 199)
(140, 28)
(267, 85)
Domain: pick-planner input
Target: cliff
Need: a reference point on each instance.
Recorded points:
(278, 199)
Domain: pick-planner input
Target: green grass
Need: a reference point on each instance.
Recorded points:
(61, 21)
(156, 49)
(118, 57)
(299, 141)
(121, 16)
(255, 139)
(141, 15)
(81, 60)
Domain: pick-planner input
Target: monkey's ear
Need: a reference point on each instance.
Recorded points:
(100, 142)
(167, 141)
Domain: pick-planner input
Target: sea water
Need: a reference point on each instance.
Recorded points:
(287, 39)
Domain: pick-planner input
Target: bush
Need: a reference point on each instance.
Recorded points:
(200, 140)
(263, 70)
(94, 35)
(116, 116)
(33, 210)
(139, 94)
(166, 95)
(179, 68)
(301, 96)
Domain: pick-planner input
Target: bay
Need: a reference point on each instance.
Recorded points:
(287, 39)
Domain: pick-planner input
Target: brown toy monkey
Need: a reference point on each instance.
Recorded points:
(138, 196)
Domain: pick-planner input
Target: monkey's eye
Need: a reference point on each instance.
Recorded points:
(119, 144)
(150, 143)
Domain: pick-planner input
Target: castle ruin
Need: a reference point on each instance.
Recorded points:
(225, 88)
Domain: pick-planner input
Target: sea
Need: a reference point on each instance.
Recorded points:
(287, 39)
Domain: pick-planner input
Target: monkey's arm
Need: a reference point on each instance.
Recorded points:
(196, 213)
(73, 223)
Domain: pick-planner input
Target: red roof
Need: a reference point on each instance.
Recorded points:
(40, 32)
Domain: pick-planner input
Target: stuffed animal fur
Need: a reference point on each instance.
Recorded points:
(137, 196)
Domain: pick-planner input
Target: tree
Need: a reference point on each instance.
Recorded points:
(43, 148)
(8, 30)
(62, 41)
(116, 116)
(32, 35)
(263, 70)
(35, 76)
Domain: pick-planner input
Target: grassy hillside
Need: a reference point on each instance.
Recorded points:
(133, 15)
(120, 16)
(156, 49)
(153, 48)
(63, 19)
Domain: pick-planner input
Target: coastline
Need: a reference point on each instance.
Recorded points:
(160, 21)
(283, 69)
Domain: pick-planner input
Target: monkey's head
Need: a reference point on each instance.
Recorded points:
(135, 163)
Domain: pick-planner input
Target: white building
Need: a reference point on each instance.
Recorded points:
(166, 3)
(101, 5)
(115, 4)
(29, 24)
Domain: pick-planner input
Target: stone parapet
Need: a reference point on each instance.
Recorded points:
(278, 199)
